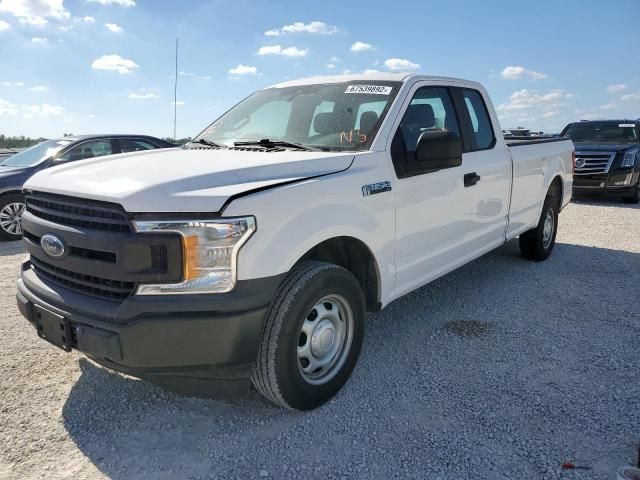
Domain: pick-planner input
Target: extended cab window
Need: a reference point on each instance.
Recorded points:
(483, 137)
(94, 148)
(430, 110)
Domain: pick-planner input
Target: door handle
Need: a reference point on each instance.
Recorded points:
(471, 179)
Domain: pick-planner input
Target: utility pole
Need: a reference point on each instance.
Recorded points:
(175, 95)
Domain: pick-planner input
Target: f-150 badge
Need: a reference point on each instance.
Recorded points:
(374, 188)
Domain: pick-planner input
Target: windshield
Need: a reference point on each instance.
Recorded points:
(332, 117)
(603, 132)
(36, 154)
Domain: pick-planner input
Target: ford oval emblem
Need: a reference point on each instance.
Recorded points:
(52, 245)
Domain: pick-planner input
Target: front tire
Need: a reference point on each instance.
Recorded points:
(635, 196)
(312, 336)
(537, 244)
(11, 209)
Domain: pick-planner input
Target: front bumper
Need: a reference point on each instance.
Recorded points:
(618, 184)
(196, 344)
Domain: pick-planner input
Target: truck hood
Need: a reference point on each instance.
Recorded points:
(183, 180)
(603, 147)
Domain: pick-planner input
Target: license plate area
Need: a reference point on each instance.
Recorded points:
(53, 328)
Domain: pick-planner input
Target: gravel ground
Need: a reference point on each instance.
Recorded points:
(502, 369)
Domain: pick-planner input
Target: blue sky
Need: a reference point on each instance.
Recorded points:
(90, 66)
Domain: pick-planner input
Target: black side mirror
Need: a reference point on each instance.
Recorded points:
(438, 150)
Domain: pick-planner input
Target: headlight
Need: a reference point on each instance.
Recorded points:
(629, 159)
(210, 251)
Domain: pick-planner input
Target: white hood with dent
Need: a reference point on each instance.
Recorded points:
(182, 180)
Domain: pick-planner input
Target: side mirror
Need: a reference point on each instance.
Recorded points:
(438, 150)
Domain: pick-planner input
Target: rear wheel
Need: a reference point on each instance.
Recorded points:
(537, 243)
(635, 196)
(11, 209)
(312, 337)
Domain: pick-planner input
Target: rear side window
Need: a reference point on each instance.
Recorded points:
(134, 145)
(480, 122)
(91, 149)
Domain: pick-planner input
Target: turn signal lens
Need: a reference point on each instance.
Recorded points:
(190, 257)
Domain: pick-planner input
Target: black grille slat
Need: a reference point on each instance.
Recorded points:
(96, 286)
(77, 212)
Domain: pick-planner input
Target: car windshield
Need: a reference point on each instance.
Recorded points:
(331, 117)
(36, 154)
(604, 132)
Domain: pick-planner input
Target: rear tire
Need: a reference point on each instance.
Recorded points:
(11, 209)
(537, 244)
(634, 197)
(312, 336)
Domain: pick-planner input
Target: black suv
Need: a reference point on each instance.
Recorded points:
(16, 169)
(607, 158)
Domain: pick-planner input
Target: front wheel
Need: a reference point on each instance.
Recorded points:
(635, 196)
(537, 243)
(11, 209)
(312, 336)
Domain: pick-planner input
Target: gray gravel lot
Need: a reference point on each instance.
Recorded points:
(501, 370)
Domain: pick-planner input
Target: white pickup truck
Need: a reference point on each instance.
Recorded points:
(254, 252)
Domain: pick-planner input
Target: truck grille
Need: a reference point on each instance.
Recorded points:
(78, 212)
(593, 163)
(87, 284)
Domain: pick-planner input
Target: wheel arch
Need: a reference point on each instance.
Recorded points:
(355, 256)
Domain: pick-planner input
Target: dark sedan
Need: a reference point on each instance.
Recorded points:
(15, 170)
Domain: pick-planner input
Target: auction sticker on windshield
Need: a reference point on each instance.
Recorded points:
(626, 125)
(370, 89)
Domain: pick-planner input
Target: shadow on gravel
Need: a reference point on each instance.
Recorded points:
(11, 248)
(604, 202)
(501, 329)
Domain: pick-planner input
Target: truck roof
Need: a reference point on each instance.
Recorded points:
(357, 77)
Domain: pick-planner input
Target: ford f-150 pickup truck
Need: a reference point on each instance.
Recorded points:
(254, 253)
(607, 158)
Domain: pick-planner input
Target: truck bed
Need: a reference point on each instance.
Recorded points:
(518, 141)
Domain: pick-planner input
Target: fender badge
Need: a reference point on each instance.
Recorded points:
(374, 188)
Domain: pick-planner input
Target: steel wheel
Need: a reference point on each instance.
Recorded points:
(325, 339)
(11, 218)
(547, 231)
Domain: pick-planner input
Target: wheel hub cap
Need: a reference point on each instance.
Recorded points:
(547, 230)
(11, 218)
(325, 339)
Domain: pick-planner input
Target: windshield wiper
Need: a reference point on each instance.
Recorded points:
(209, 143)
(268, 143)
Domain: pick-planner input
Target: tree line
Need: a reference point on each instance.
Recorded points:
(26, 142)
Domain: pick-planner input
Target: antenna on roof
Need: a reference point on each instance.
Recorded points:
(175, 94)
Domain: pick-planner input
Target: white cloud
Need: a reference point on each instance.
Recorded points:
(371, 70)
(39, 41)
(243, 70)
(42, 110)
(608, 106)
(114, 27)
(528, 99)
(194, 75)
(88, 19)
(142, 95)
(551, 114)
(400, 64)
(619, 87)
(330, 65)
(122, 3)
(361, 47)
(278, 50)
(7, 108)
(114, 62)
(4, 25)
(179, 103)
(38, 88)
(517, 72)
(13, 84)
(300, 27)
(334, 59)
(630, 97)
(34, 12)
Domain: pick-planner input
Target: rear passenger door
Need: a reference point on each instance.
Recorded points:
(486, 173)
